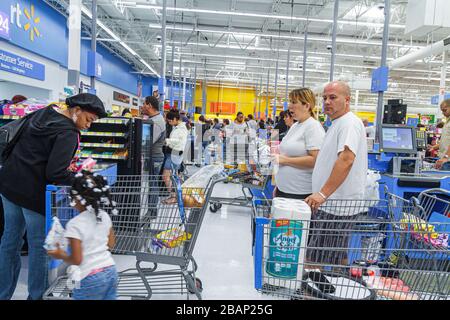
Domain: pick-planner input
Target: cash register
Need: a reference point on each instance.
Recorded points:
(400, 142)
(403, 175)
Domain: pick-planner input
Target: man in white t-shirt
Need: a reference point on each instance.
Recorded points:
(341, 166)
(339, 173)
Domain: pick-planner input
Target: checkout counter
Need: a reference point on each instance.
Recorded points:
(402, 170)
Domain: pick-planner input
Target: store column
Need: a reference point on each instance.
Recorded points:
(162, 79)
(74, 50)
(384, 47)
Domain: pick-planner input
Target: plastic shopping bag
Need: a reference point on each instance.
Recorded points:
(372, 188)
(55, 236)
(201, 178)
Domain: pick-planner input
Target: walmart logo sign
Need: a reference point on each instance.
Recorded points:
(31, 23)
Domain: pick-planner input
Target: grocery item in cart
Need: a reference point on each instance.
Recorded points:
(391, 288)
(171, 238)
(288, 237)
(193, 198)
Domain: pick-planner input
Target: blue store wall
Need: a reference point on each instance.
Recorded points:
(52, 43)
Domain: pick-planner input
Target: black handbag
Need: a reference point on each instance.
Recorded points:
(10, 134)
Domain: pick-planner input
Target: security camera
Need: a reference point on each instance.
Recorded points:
(380, 6)
(158, 38)
(329, 47)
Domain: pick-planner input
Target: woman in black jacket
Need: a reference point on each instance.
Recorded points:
(41, 156)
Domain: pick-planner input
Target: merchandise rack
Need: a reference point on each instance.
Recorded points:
(107, 139)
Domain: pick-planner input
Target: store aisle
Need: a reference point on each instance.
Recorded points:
(223, 253)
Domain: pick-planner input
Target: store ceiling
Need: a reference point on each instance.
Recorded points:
(240, 42)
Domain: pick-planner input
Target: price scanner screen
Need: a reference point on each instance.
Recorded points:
(398, 139)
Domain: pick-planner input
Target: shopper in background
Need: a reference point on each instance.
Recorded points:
(185, 119)
(175, 145)
(299, 148)
(253, 125)
(91, 236)
(216, 124)
(370, 130)
(238, 139)
(280, 129)
(289, 119)
(262, 131)
(339, 173)
(41, 156)
(444, 143)
(151, 109)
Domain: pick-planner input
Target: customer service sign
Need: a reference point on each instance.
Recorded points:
(19, 65)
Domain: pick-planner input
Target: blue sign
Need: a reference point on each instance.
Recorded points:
(12, 63)
(35, 26)
(4, 26)
(435, 99)
(412, 122)
(95, 64)
(380, 79)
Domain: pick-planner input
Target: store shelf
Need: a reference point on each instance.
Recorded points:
(113, 121)
(9, 117)
(102, 156)
(102, 145)
(104, 134)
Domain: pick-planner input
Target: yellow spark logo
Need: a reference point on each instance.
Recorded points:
(32, 24)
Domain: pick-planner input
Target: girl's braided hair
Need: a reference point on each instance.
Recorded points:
(92, 191)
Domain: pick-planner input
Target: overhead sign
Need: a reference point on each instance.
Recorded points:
(15, 64)
(380, 80)
(135, 102)
(29, 23)
(117, 96)
(4, 26)
(35, 26)
(95, 64)
(435, 99)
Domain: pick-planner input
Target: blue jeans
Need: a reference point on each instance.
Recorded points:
(157, 166)
(99, 286)
(17, 220)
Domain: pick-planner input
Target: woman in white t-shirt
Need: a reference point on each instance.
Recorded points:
(299, 148)
(91, 236)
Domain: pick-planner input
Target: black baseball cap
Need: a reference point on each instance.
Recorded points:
(89, 102)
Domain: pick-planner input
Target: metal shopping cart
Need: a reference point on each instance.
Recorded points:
(354, 249)
(418, 243)
(163, 235)
(251, 177)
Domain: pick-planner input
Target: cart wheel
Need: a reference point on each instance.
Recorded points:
(215, 207)
(198, 285)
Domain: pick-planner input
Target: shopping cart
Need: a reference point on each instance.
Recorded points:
(251, 178)
(354, 249)
(163, 235)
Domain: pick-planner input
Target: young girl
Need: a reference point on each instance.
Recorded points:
(90, 237)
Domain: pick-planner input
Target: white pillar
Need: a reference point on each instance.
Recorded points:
(74, 26)
(443, 76)
(184, 91)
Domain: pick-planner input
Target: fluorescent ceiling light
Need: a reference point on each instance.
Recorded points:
(290, 37)
(260, 15)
